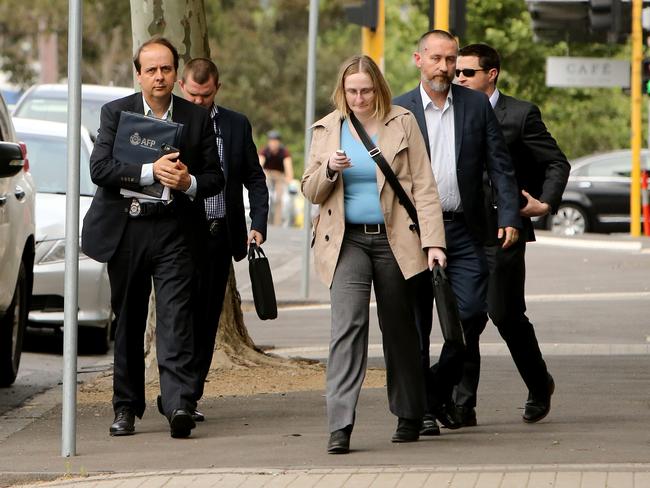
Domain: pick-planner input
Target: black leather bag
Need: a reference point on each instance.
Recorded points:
(262, 283)
(447, 308)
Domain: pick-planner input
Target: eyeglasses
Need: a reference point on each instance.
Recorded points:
(364, 92)
(468, 72)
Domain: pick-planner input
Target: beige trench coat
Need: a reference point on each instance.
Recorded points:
(401, 143)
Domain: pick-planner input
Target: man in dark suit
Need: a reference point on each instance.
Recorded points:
(463, 139)
(542, 170)
(223, 234)
(143, 239)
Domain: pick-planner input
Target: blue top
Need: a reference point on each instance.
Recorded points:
(361, 195)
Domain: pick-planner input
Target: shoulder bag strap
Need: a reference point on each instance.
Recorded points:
(375, 154)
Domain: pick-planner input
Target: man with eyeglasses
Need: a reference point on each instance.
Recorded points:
(146, 241)
(463, 139)
(542, 171)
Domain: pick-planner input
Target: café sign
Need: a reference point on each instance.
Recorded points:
(587, 72)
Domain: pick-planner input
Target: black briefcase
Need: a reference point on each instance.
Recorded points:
(261, 283)
(447, 308)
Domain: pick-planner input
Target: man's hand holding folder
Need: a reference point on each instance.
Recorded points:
(171, 172)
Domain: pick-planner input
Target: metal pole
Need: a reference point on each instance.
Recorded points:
(71, 298)
(310, 108)
(636, 136)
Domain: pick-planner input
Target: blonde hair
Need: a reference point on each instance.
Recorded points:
(362, 64)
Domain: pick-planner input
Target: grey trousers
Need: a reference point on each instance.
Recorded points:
(366, 259)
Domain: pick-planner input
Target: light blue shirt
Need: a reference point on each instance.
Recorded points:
(361, 196)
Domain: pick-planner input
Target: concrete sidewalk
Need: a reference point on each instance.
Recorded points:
(596, 435)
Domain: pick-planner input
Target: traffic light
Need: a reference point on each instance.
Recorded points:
(608, 16)
(365, 13)
(645, 76)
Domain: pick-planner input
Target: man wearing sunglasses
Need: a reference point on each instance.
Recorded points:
(542, 171)
(463, 139)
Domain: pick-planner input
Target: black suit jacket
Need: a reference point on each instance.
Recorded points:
(242, 168)
(480, 146)
(107, 216)
(541, 168)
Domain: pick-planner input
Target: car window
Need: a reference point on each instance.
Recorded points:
(618, 165)
(48, 164)
(56, 109)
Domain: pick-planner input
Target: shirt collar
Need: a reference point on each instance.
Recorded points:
(168, 112)
(426, 100)
(494, 98)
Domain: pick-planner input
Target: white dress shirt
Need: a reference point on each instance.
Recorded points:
(442, 143)
(146, 174)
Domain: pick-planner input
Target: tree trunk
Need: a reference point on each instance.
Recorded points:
(184, 24)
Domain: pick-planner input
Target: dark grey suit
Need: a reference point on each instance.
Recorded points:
(541, 169)
(480, 147)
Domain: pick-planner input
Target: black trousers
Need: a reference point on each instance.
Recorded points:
(215, 259)
(153, 248)
(507, 309)
(467, 270)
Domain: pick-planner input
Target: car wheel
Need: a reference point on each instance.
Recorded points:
(12, 329)
(95, 340)
(570, 220)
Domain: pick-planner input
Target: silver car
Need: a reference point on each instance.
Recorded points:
(50, 102)
(16, 246)
(46, 143)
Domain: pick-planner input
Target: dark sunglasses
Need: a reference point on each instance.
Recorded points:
(468, 72)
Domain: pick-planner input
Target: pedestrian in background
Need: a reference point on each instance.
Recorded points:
(276, 160)
(223, 234)
(144, 240)
(364, 237)
(463, 141)
(542, 171)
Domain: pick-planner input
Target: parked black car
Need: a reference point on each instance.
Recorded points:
(597, 196)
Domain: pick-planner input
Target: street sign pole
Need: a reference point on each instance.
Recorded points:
(71, 279)
(310, 110)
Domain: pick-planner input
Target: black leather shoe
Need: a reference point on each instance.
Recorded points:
(198, 416)
(124, 422)
(446, 415)
(465, 416)
(181, 423)
(339, 442)
(429, 425)
(538, 407)
(408, 430)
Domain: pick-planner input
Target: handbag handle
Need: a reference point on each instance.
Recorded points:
(438, 273)
(377, 156)
(254, 248)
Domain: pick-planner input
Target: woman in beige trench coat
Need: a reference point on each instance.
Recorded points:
(364, 237)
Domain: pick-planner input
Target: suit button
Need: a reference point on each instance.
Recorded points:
(327, 238)
(329, 211)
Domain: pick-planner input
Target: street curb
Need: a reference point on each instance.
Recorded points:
(68, 480)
